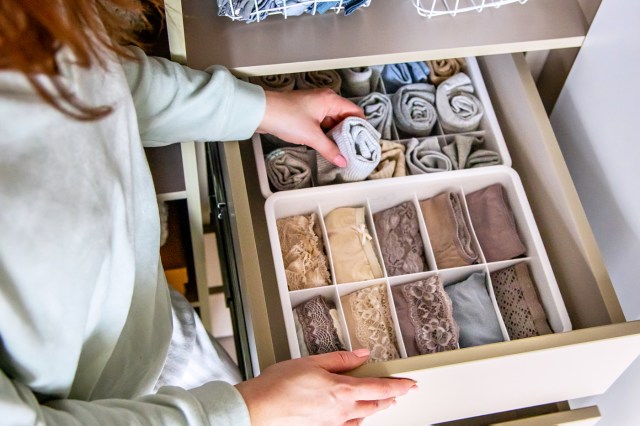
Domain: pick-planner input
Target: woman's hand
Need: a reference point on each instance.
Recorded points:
(299, 117)
(307, 391)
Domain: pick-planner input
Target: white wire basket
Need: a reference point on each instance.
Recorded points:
(259, 10)
(431, 8)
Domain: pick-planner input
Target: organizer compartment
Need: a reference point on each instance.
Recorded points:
(489, 128)
(377, 196)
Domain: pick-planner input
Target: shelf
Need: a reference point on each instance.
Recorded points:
(387, 32)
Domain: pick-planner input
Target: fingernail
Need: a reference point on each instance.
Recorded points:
(414, 388)
(394, 402)
(361, 353)
(340, 161)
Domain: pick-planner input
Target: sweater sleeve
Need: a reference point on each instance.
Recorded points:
(215, 403)
(175, 103)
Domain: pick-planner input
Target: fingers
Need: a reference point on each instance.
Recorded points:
(369, 389)
(342, 108)
(337, 362)
(367, 408)
(327, 148)
(354, 422)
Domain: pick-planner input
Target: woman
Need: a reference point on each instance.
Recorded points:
(89, 333)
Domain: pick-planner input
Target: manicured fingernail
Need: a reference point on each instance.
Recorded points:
(340, 161)
(361, 353)
(414, 388)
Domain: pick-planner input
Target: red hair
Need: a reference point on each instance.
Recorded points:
(33, 31)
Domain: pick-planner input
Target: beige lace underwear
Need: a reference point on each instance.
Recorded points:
(369, 322)
(317, 327)
(352, 251)
(425, 315)
(305, 263)
(518, 301)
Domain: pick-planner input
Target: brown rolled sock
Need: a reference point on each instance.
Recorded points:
(392, 161)
(319, 80)
(494, 224)
(449, 231)
(442, 69)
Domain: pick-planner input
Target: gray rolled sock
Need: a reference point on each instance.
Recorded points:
(359, 144)
(379, 112)
(458, 109)
(413, 110)
(425, 156)
(357, 81)
(289, 168)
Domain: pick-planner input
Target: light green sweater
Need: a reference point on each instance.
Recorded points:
(85, 315)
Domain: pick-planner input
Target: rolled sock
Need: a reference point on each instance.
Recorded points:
(398, 75)
(276, 83)
(474, 312)
(425, 156)
(494, 223)
(413, 110)
(378, 112)
(319, 80)
(357, 81)
(442, 69)
(288, 168)
(483, 158)
(458, 109)
(359, 144)
(392, 161)
(464, 153)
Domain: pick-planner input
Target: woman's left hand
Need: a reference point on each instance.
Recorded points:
(300, 116)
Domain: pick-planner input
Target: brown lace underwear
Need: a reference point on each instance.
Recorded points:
(400, 241)
(425, 316)
(518, 301)
(319, 330)
(305, 263)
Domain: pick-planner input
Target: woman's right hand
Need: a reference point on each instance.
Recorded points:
(307, 391)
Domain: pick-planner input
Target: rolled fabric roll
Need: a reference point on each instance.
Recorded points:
(276, 83)
(458, 109)
(413, 110)
(425, 317)
(474, 312)
(483, 158)
(359, 144)
(464, 154)
(517, 298)
(319, 80)
(425, 156)
(398, 75)
(449, 231)
(494, 223)
(379, 112)
(442, 69)
(316, 329)
(357, 81)
(392, 161)
(288, 168)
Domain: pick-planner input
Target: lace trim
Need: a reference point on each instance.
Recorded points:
(431, 314)
(400, 241)
(304, 259)
(374, 329)
(320, 334)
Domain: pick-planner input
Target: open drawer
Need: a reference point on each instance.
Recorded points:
(485, 379)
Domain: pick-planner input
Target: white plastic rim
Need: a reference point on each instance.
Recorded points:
(494, 140)
(431, 8)
(379, 195)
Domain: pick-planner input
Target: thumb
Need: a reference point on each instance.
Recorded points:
(327, 148)
(337, 362)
